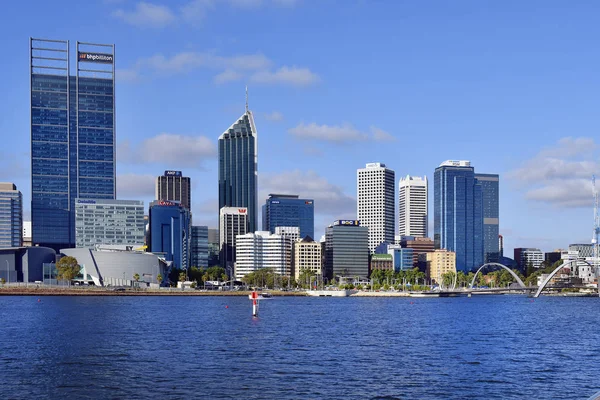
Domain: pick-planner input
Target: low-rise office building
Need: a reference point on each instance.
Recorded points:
(439, 263)
(308, 255)
(346, 249)
(261, 250)
(382, 262)
(402, 258)
(109, 222)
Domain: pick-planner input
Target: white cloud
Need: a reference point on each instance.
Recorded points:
(228, 75)
(146, 15)
(329, 133)
(246, 3)
(231, 66)
(344, 133)
(286, 3)
(135, 186)
(560, 175)
(380, 135)
(286, 75)
(175, 150)
(157, 16)
(255, 67)
(275, 116)
(196, 10)
(330, 199)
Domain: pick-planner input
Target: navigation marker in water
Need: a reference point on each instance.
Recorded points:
(254, 297)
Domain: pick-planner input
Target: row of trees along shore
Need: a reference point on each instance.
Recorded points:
(68, 269)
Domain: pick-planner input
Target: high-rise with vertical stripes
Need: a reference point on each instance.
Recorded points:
(412, 206)
(72, 134)
(238, 167)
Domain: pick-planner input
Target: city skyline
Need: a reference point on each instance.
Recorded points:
(301, 103)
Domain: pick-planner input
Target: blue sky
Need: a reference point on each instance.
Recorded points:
(512, 86)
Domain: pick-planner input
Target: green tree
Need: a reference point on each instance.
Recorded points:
(68, 268)
(448, 279)
(3, 281)
(305, 278)
(136, 277)
(159, 278)
(530, 270)
(182, 276)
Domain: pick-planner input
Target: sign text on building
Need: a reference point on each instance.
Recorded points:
(96, 57)
(172, 173)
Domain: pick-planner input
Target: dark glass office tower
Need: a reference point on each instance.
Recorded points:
(491, 213)
(72, 135)
(238, 167)
(173, 186)
(289, 210)
(458, 214)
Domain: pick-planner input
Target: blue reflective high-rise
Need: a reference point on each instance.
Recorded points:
(170, 232)
(238, 168)
(458, 213)
(491, 213)
(289, 210)
(72, 148)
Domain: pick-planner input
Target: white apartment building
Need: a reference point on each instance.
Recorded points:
(233, 221)
(260, 250)
(375, 206)
(533, 256)
(307, 255)
(412, 206)
(292, 232)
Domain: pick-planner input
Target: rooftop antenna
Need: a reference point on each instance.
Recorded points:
(246, 98)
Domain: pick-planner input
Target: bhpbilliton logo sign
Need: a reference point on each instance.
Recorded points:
(96, 57)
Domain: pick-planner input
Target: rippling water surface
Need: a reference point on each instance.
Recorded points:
(493, 347)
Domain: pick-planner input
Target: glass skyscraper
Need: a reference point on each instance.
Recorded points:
(199, 247)
(491, 216)
(11, 216)
(72, 135)
(458, 213)
(238, 167)
(289, 210)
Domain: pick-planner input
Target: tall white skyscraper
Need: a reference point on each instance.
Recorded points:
(375, 207)
(412, 206)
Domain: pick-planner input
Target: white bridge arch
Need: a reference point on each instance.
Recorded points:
(551, 275)
(519, 281)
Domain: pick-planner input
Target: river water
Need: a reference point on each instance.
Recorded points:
(489, 347)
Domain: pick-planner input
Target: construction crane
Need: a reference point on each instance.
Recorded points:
(596, 233)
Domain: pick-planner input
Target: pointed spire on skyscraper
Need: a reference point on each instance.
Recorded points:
(246, 98)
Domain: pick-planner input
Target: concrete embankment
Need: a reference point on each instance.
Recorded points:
(44, 291)
(381, 294)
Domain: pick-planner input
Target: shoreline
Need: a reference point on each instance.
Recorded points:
(127, 292)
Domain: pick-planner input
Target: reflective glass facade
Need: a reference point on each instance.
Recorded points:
(199, 252)
(72, 151)
(109, 222)
(282, 210)
(170, 232)
(11, 216)
(458, 215)
(346, 251)
(490, 188)
(238, 168)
